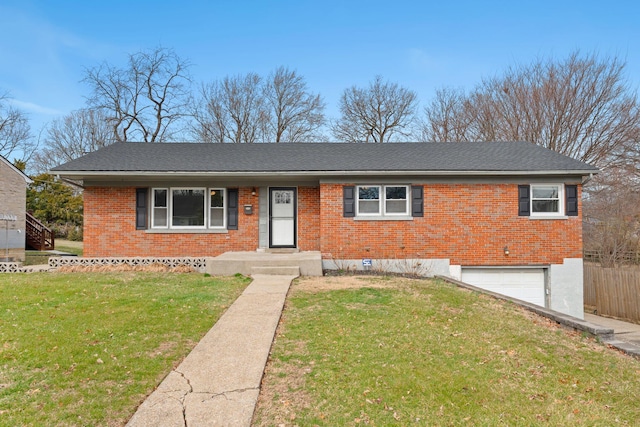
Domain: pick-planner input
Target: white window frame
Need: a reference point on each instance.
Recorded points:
(224, 208)
(153, 208)
(204, 210)
(561, 200)
(207, 209)
(382, 201)
(406, 205)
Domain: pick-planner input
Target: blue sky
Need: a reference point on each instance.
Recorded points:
(45, 46)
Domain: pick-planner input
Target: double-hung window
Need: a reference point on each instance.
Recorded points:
(546, 199)
(217, 208)
(160, 208)
(382, 200)
(188, 208)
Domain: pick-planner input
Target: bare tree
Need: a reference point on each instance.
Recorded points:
(146, 100)
(72, 136)
(232, 110)
(611, 215)
(15, 132)
(296, 114)
(383, 112)
(582, 107)
(446, 118)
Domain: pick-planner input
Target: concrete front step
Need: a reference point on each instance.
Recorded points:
(276, 270)
(230, 263)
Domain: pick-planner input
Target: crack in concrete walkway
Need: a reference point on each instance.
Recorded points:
(218, 383)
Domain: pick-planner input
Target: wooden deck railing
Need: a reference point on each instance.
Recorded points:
(38, 236)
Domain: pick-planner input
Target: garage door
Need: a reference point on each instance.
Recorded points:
(526, 284)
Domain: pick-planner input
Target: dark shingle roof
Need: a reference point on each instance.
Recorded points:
(324, 157)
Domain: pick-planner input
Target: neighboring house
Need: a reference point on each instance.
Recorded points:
(13, 202)
(504, 216)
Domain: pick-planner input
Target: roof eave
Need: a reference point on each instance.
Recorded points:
(227, 174)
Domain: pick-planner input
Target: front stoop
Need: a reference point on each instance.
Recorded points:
(276, 270)
(248, 263)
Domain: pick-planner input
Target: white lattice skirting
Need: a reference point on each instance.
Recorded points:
(197, 264)
(10, 267)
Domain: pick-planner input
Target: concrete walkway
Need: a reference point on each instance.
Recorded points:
(218, 383)
(626, 335)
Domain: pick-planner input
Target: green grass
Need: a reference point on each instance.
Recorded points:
(38, 257)
(427, 353)
(72, 247)
(85, 349)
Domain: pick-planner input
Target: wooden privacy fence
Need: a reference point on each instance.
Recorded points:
(613, 292)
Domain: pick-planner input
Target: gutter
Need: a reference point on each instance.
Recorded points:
(226, 174)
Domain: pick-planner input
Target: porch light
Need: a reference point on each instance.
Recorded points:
(253, 191)
(506, 250)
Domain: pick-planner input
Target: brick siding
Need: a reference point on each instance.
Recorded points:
(110, 229)
(468, 223)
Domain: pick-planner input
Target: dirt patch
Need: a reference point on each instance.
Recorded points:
(283, 393)
(333, 283)
(162, 349)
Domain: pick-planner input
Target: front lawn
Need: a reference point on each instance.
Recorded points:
(85, 349)
(389, 351)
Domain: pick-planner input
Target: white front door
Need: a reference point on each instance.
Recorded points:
(282, 217)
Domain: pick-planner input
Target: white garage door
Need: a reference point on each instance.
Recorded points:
(526, 284)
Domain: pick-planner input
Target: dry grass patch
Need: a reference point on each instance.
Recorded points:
(393, 351)
(86, 348)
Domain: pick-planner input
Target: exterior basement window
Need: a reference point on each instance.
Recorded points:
(382, 200)
(188, 208)
(546, 199)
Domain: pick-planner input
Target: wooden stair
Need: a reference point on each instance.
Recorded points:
(38, 236)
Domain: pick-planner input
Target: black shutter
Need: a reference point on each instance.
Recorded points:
(571, 192)
(141, 208)
(232, 209)
(523, 200)
(349, 201)
(417, 200)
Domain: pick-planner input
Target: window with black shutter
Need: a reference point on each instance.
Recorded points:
(571, 194)
(417, 201)
(141, 208)
(348, 201)
(232, 209)
(524, 208)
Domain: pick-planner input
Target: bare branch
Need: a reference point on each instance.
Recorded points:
(147, 100)
(15, 132)
(383, 112)
(73, 136)
(296, 115)
(581, 107)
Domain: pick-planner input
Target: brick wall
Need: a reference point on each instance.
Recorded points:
(468, 223)
(110, 229)
(309, 218)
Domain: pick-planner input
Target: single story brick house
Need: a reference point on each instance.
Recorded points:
(13, 202)
(504, 216)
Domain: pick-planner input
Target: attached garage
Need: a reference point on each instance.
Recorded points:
(526, 284)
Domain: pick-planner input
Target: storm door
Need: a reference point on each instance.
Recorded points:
(282, 217)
